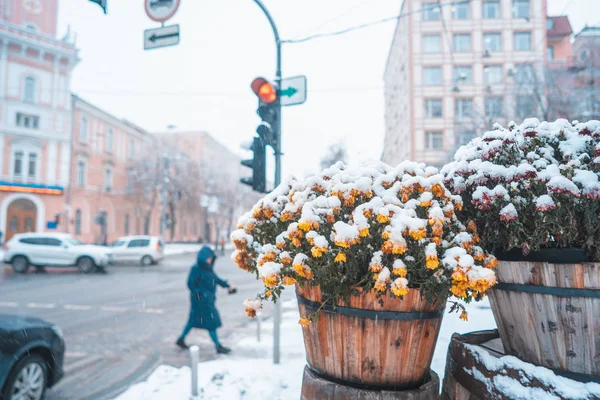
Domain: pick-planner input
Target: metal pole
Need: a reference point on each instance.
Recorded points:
(277, 308)
(258, 317)
(163, 210)
(194, 359)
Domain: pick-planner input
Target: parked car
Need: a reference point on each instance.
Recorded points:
(31, 357)
(147, 250)
(54, 250)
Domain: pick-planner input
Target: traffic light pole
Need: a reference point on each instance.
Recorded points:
(277, 308)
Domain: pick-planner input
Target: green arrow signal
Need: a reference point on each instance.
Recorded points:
(289, 92)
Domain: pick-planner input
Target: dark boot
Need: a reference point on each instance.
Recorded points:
(182, 344)
(223, 350)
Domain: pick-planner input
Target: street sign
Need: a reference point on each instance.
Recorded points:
(161, 10)
(161, 37)
(293, 90)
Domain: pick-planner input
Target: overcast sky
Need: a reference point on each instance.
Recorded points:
(203, 83)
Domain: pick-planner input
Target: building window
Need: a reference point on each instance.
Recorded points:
(524, 73)
(28, 121)
(83, 130)
(433, 108)
(81, 173)
(522, 41)
(521, 9)
(130, 181)
(78, 222)
(432, 44)
(525, 106)
(432, 75)
(434, 140)
(492, 74)
(109, 141)
(492, 42)
(463, 73)
(460, 10)
(18, 164)
(551, 53)
(126, 224)
(462, 42)
(29, 91)
(491, 9)
(463, 108)
(108, 179)
(464, 137)
(32, 167)
(131, 148)
(431, 12)
(493, 107)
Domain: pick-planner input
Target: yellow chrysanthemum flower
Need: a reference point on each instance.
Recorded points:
(305, 322)
(464, 316)
(341, 257)
(288, 281)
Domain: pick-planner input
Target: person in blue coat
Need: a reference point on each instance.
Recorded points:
(202, 283)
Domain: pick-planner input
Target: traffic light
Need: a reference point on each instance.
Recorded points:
(258, 163)
(101, 3)
(268, 111)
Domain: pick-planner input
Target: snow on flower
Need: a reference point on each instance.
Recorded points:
(252, 305)
(400, 219)
(509, 213)
(562, 185)
(544, 203)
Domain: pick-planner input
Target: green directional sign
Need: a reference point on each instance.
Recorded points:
(293, 90)
(289, 92)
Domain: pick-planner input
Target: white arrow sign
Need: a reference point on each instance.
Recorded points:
(293, 90)
(161, 37)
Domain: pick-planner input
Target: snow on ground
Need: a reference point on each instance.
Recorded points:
(182, 248)
(250, 374)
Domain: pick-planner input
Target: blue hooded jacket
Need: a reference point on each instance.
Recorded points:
(202, 283)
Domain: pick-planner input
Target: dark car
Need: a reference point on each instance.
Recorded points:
(31, 357)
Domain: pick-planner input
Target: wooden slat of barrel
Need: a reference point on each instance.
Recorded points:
(557, 332)
(468, 378)
(368, 351)
(316, 388)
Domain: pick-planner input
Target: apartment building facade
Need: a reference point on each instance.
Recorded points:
(35, 117)
(455, 68)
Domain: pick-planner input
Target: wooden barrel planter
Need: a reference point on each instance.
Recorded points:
(370, 343)
(548, 314)
(317, 388)
(478, 369)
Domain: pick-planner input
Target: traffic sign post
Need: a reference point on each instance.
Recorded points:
(160, 11)
(161, 37)
(293, 90)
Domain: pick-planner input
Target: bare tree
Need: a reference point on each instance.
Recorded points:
(335, 152)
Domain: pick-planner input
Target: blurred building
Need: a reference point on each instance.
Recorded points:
(455, 68)
(68, 166)
(222, 199)
(101, 191)
(586, 68)
(35, 117)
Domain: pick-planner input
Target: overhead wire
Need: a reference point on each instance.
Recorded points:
(363, 26)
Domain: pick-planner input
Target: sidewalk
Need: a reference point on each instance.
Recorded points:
(250, 374)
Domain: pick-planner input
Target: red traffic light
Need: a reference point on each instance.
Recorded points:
(264, 90)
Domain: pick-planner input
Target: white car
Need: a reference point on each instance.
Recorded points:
(54, 250)
(147, 250)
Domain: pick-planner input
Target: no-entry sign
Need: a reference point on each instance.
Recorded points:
(161, 10)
